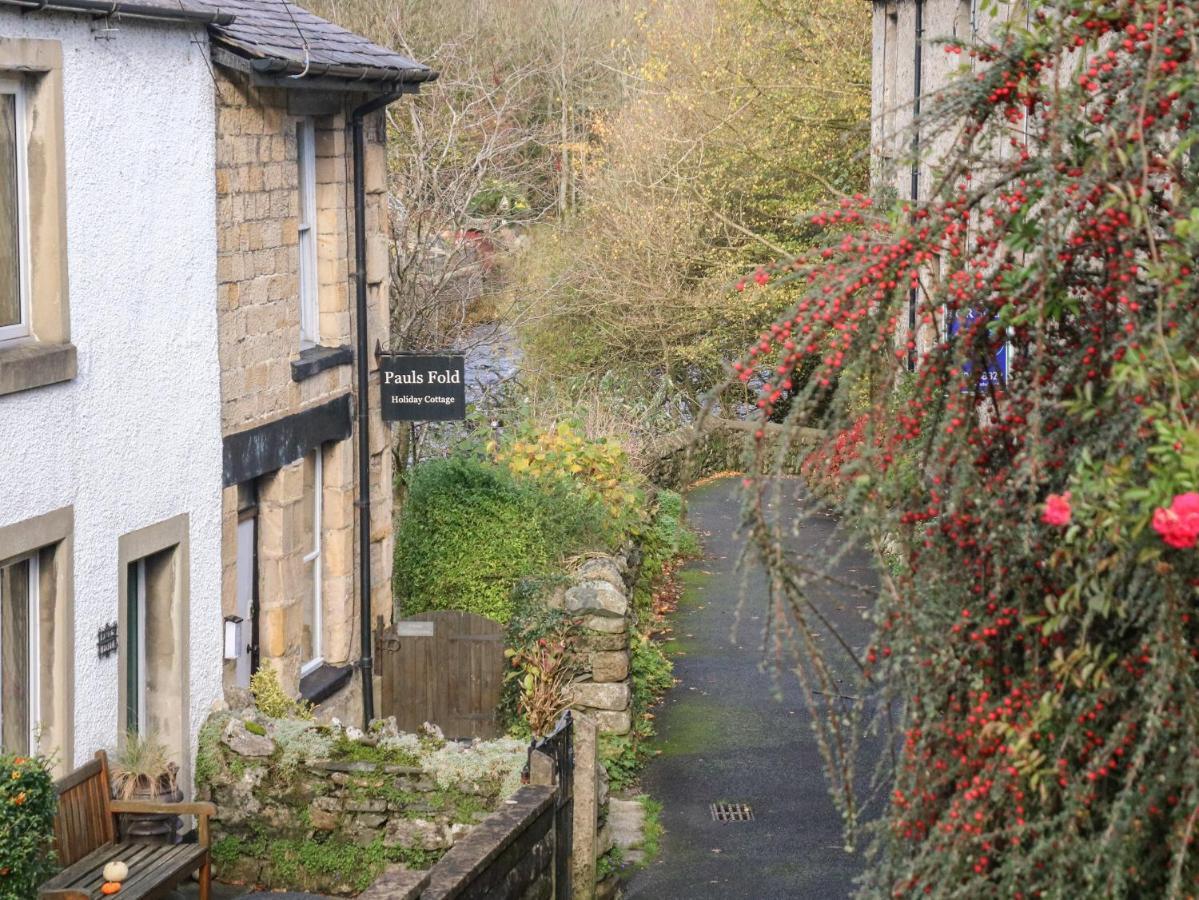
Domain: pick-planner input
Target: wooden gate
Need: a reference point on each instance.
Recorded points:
(444, 667)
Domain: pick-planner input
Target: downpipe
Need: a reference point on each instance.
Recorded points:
(362, 355)
(917, 87)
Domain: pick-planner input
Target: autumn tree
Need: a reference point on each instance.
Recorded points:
(738, 117)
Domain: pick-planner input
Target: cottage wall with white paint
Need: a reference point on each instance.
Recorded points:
(135, 438)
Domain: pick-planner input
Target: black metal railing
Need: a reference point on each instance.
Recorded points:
(559, 747)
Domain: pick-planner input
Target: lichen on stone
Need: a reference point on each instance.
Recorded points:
(367, 799)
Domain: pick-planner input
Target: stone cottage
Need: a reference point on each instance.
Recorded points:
(909, 67)
(191, 214)
(289, 88)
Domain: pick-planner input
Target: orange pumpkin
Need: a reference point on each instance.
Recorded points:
(110, 887)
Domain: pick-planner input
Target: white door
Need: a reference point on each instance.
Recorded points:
(246, 576)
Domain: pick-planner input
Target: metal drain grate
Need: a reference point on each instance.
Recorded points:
(732, 812)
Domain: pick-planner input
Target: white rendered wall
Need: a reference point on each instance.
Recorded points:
(135, 439)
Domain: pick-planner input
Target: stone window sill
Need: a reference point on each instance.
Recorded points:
(324, 681)
(314, 360)
(29, 365)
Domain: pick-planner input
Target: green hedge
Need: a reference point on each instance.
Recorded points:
(471, 531)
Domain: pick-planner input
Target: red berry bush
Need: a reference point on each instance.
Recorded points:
(1034, 655)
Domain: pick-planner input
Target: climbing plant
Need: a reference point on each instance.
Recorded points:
(1034, 654)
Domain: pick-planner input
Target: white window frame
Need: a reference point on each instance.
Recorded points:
(21, 329)
(314, 557)
(309, 286)
(34, 648)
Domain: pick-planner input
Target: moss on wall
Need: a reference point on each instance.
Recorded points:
(319, 808)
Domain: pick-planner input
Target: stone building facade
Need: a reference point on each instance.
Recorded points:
(270, 374)
(909, 67)
(287, 85)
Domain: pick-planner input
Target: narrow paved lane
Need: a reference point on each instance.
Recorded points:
(726, 736)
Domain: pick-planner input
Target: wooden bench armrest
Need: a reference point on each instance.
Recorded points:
(149, 807)
(200, 808)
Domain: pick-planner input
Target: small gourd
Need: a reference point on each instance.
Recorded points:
(110, 887)
(116, 871)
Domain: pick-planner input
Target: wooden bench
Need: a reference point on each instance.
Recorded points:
(85, 836)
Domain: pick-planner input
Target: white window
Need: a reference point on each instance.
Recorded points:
(14, 213)
(20, 663)
(309, 278)
(314, 489)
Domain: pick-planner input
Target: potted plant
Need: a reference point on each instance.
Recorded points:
(142, 770)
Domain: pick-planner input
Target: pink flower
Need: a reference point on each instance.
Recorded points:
(1179, 525)
(1057, 509)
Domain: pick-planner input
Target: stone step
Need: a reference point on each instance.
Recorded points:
(627, 820)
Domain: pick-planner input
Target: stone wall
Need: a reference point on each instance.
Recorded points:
(322, 808)
(719, 445)
(600, 601)
(602, 696)
(509, 856)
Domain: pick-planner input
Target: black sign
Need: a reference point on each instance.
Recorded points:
(422, 387)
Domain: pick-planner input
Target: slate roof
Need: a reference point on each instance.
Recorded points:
(271, 37)
(279, 36)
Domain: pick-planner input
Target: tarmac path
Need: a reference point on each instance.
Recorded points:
(726, 735)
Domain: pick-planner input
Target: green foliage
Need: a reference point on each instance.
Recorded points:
(208, 750)
(651, 836)
(651, 676)
(228, 849)
(652, 671)
(271, 699)
(291, 862)
(609, 864)
(471, 531)
(666, 539)
(27, 806)
(346, 750)
(254, 728)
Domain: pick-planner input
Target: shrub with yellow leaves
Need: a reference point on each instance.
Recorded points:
(599, 469)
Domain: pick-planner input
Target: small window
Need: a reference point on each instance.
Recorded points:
(14, 230)
(20, 666)
(309, 279)
(314, 488)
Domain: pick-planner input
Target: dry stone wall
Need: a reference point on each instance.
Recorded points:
(718, 445)
(283, 787)
(600, 599)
